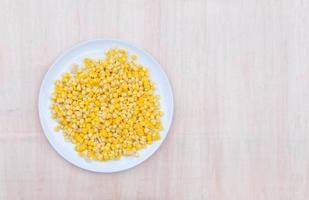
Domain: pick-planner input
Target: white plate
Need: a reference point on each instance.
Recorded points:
(95, 49)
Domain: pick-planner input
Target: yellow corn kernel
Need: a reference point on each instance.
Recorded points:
(133, 57)
(80, 148)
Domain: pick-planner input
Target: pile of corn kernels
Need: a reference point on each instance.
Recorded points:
(107, 107)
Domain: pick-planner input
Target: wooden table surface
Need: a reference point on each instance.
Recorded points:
(240, 76)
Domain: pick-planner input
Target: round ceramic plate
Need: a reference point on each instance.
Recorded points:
(96, 49)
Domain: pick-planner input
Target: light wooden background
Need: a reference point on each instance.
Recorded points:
(240, 75)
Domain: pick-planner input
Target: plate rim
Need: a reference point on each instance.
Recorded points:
(76, 46)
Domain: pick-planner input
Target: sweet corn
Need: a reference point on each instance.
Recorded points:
(107, 107)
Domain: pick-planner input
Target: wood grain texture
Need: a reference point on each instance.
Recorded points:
(240, 76)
